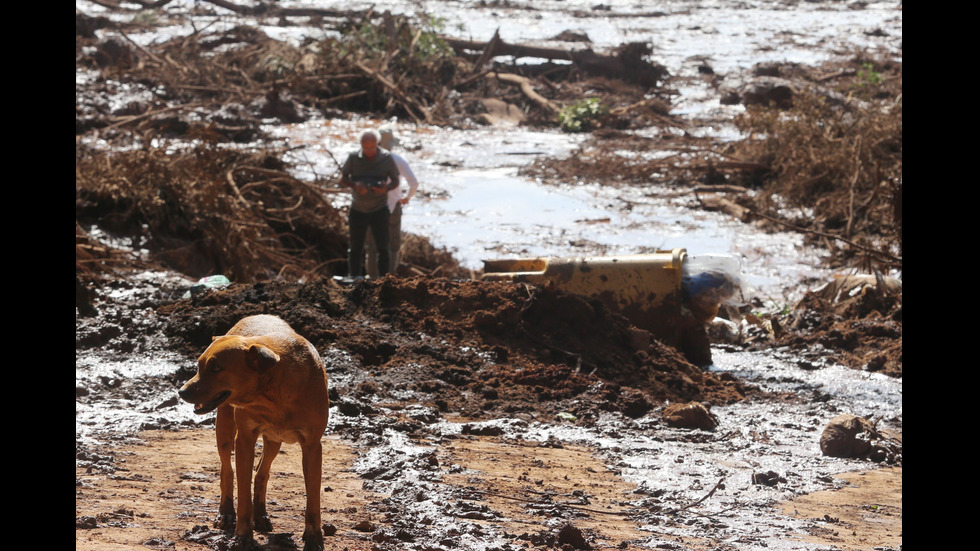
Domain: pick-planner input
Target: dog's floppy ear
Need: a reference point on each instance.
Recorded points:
(260, 358)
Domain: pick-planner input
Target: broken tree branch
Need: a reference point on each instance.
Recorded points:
(501, 48)
(891, 258)
(527, 89)
(417, 111)
(488, 52)
(149, 114)
(700, 501)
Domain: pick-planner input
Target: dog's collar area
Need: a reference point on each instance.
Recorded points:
(212, 404)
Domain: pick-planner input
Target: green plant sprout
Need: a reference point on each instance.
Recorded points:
(582, 115)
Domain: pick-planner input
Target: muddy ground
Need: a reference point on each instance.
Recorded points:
(408, 357)
(466, 414)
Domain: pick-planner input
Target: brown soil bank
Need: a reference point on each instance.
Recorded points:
(477, 348)
(855, 321)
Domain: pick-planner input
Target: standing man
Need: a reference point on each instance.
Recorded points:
(370, 174)
(395, 203)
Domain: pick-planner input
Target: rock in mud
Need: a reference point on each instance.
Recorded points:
(761, 90)
(86, 523)
(204, 535)
(570, 535)
(364, 526)
(768, 478)
(693, 415)
(850, 436)
(159, 543)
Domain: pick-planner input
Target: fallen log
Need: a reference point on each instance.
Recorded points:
(498, 47)
(262, 8)
(627, 64)
(720, 189)
(727, 206)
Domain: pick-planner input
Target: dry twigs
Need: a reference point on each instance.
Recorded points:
(844, 165)
(212, 211)
(700, 501)
(418, 112)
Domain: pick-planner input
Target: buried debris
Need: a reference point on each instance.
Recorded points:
(629, 62)
(568, 536)
(667, 293)
(844, 287)
(205, 283)
(221, 84)
(857, 320)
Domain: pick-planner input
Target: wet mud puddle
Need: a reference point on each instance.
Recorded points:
(670, 468)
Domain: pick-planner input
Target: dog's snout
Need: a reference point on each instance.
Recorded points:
(186, 392)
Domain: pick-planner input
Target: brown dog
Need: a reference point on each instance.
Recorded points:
(264, 380)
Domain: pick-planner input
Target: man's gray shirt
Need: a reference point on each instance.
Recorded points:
(377, 175)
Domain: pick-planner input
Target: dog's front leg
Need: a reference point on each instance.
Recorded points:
(312, 473)
(269, 451)
(225, 431)
(244, 459)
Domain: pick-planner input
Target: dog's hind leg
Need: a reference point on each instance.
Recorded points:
(270, 449)
(225, 431)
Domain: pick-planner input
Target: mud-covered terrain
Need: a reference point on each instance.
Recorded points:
(465, 415)
(470, 414)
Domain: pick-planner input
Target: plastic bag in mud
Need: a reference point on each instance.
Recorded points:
(205, 283)
(708, 281)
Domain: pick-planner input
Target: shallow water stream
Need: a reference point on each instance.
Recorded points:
(472, 201)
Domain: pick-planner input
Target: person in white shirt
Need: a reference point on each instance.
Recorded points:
(395, 202)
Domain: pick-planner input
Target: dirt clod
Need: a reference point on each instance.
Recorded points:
(569, 535)
(768, 478)
(693, 415)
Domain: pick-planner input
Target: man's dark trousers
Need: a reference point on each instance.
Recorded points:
(360, 223)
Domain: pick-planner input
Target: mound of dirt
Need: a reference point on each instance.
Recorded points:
(477, 348)
(859, 326)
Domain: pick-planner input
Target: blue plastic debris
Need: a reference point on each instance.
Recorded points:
(205, 283)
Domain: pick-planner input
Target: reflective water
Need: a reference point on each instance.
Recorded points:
(473, 203)
(671, 468)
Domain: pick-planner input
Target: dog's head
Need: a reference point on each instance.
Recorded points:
(227, 372)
